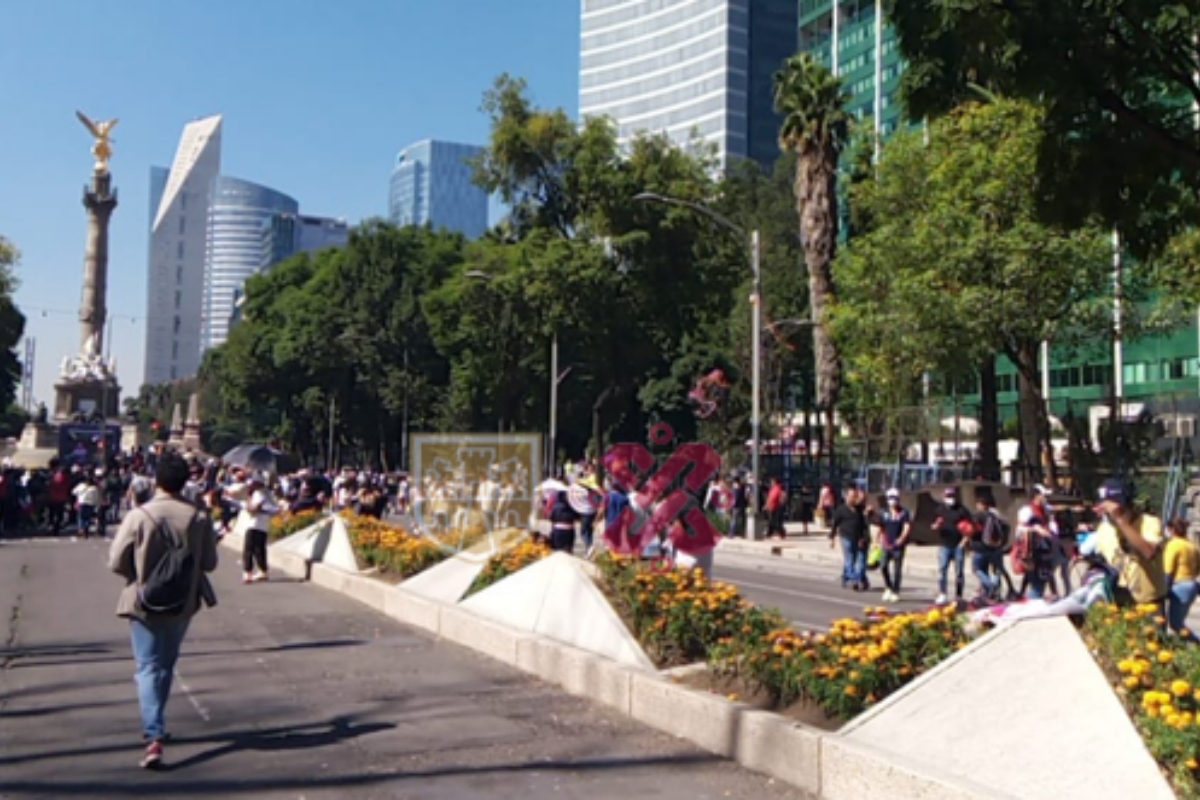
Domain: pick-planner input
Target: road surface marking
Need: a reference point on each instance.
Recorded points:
(196, 704)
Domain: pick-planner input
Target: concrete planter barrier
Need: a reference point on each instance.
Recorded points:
(827, 766)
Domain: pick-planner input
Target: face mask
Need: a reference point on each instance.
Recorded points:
(951, 502)
(893, 501)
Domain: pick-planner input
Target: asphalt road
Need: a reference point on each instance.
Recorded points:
(287, 690)
(810, 594)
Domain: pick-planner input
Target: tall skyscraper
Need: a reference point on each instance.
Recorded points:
(285, 235)
(688, 68)
(178, 234)
(237, 212)
(431, 185)
(865, 55)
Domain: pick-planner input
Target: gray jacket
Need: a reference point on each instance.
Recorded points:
(134, 547)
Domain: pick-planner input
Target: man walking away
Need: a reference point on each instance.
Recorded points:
(165, 543)
(895, 526)
(987, 550)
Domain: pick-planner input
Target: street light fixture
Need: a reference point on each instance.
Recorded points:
(756, 336)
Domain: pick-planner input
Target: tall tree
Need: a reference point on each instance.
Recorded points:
(1119, 81)
(959, 263)
(12, 324)
(815, 127)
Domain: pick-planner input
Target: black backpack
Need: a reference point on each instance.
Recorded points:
(167, 587)
(562, 511)
(995, 532)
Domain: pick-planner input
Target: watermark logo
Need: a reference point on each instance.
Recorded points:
(471, 492)
(665, 501)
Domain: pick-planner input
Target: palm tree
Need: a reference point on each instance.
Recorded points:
(815, 126)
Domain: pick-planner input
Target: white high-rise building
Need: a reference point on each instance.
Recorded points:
(692, 69)
(179, 200)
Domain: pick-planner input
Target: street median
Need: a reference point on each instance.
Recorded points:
(821, 763)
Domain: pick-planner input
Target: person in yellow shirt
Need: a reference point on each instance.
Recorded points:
(1131, 541)
(1181, 562)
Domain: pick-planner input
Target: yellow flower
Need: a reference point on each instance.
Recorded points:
(1192, 764)
(1131, 682)
(1165, 657)
(1180, 688)
(852, 690)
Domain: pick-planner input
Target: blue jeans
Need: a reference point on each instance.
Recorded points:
(854, 562)
(986, 565)
(155, 650)
(1179, 603)
(945, 556)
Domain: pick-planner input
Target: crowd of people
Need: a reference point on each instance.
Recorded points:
(1113, 550)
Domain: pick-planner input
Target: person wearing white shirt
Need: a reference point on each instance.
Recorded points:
(87, 496)
(261, 507)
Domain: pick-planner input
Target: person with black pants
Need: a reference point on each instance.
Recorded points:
(254, 548)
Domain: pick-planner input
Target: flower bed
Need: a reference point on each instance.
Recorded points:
(1155, 677)
(285, 524)
(502, 565)
(680, 617)
(391, 548)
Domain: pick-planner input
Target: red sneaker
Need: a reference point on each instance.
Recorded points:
(152, 758)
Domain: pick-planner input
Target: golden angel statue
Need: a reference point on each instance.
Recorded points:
(102, 149)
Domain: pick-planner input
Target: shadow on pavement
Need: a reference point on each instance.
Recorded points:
(292, 737)
(161, 785)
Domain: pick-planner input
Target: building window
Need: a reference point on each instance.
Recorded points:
(182, 220)
(178, 324)
(173, 375)
(175, 349)
(179, 248)
(178, 299)
(182, 205)
(179, 275)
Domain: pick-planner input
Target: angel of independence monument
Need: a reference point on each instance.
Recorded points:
(87, 394)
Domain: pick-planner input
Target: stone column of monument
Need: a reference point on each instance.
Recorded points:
(100, 200)
(87, 389)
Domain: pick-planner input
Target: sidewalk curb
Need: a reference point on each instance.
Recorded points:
(822, 764)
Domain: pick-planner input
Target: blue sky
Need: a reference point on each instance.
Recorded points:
(318, 97)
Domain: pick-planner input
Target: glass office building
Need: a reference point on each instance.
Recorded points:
(237, 212)
(863, 52)
(175, 262)
(432, 185)
(696, 70)
(285, 235)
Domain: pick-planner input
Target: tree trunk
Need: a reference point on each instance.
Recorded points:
(817, 208)
(1035, 423)
(598, 427)
(989, 423)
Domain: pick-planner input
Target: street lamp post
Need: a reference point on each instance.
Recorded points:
(756, 335)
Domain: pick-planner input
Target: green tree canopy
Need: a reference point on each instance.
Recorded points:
(1119, 83)
(958, 264)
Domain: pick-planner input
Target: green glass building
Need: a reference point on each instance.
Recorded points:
(860, 51)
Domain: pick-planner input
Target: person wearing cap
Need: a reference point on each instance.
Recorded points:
(1131, 540)
(895, 526)
(953, 526)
